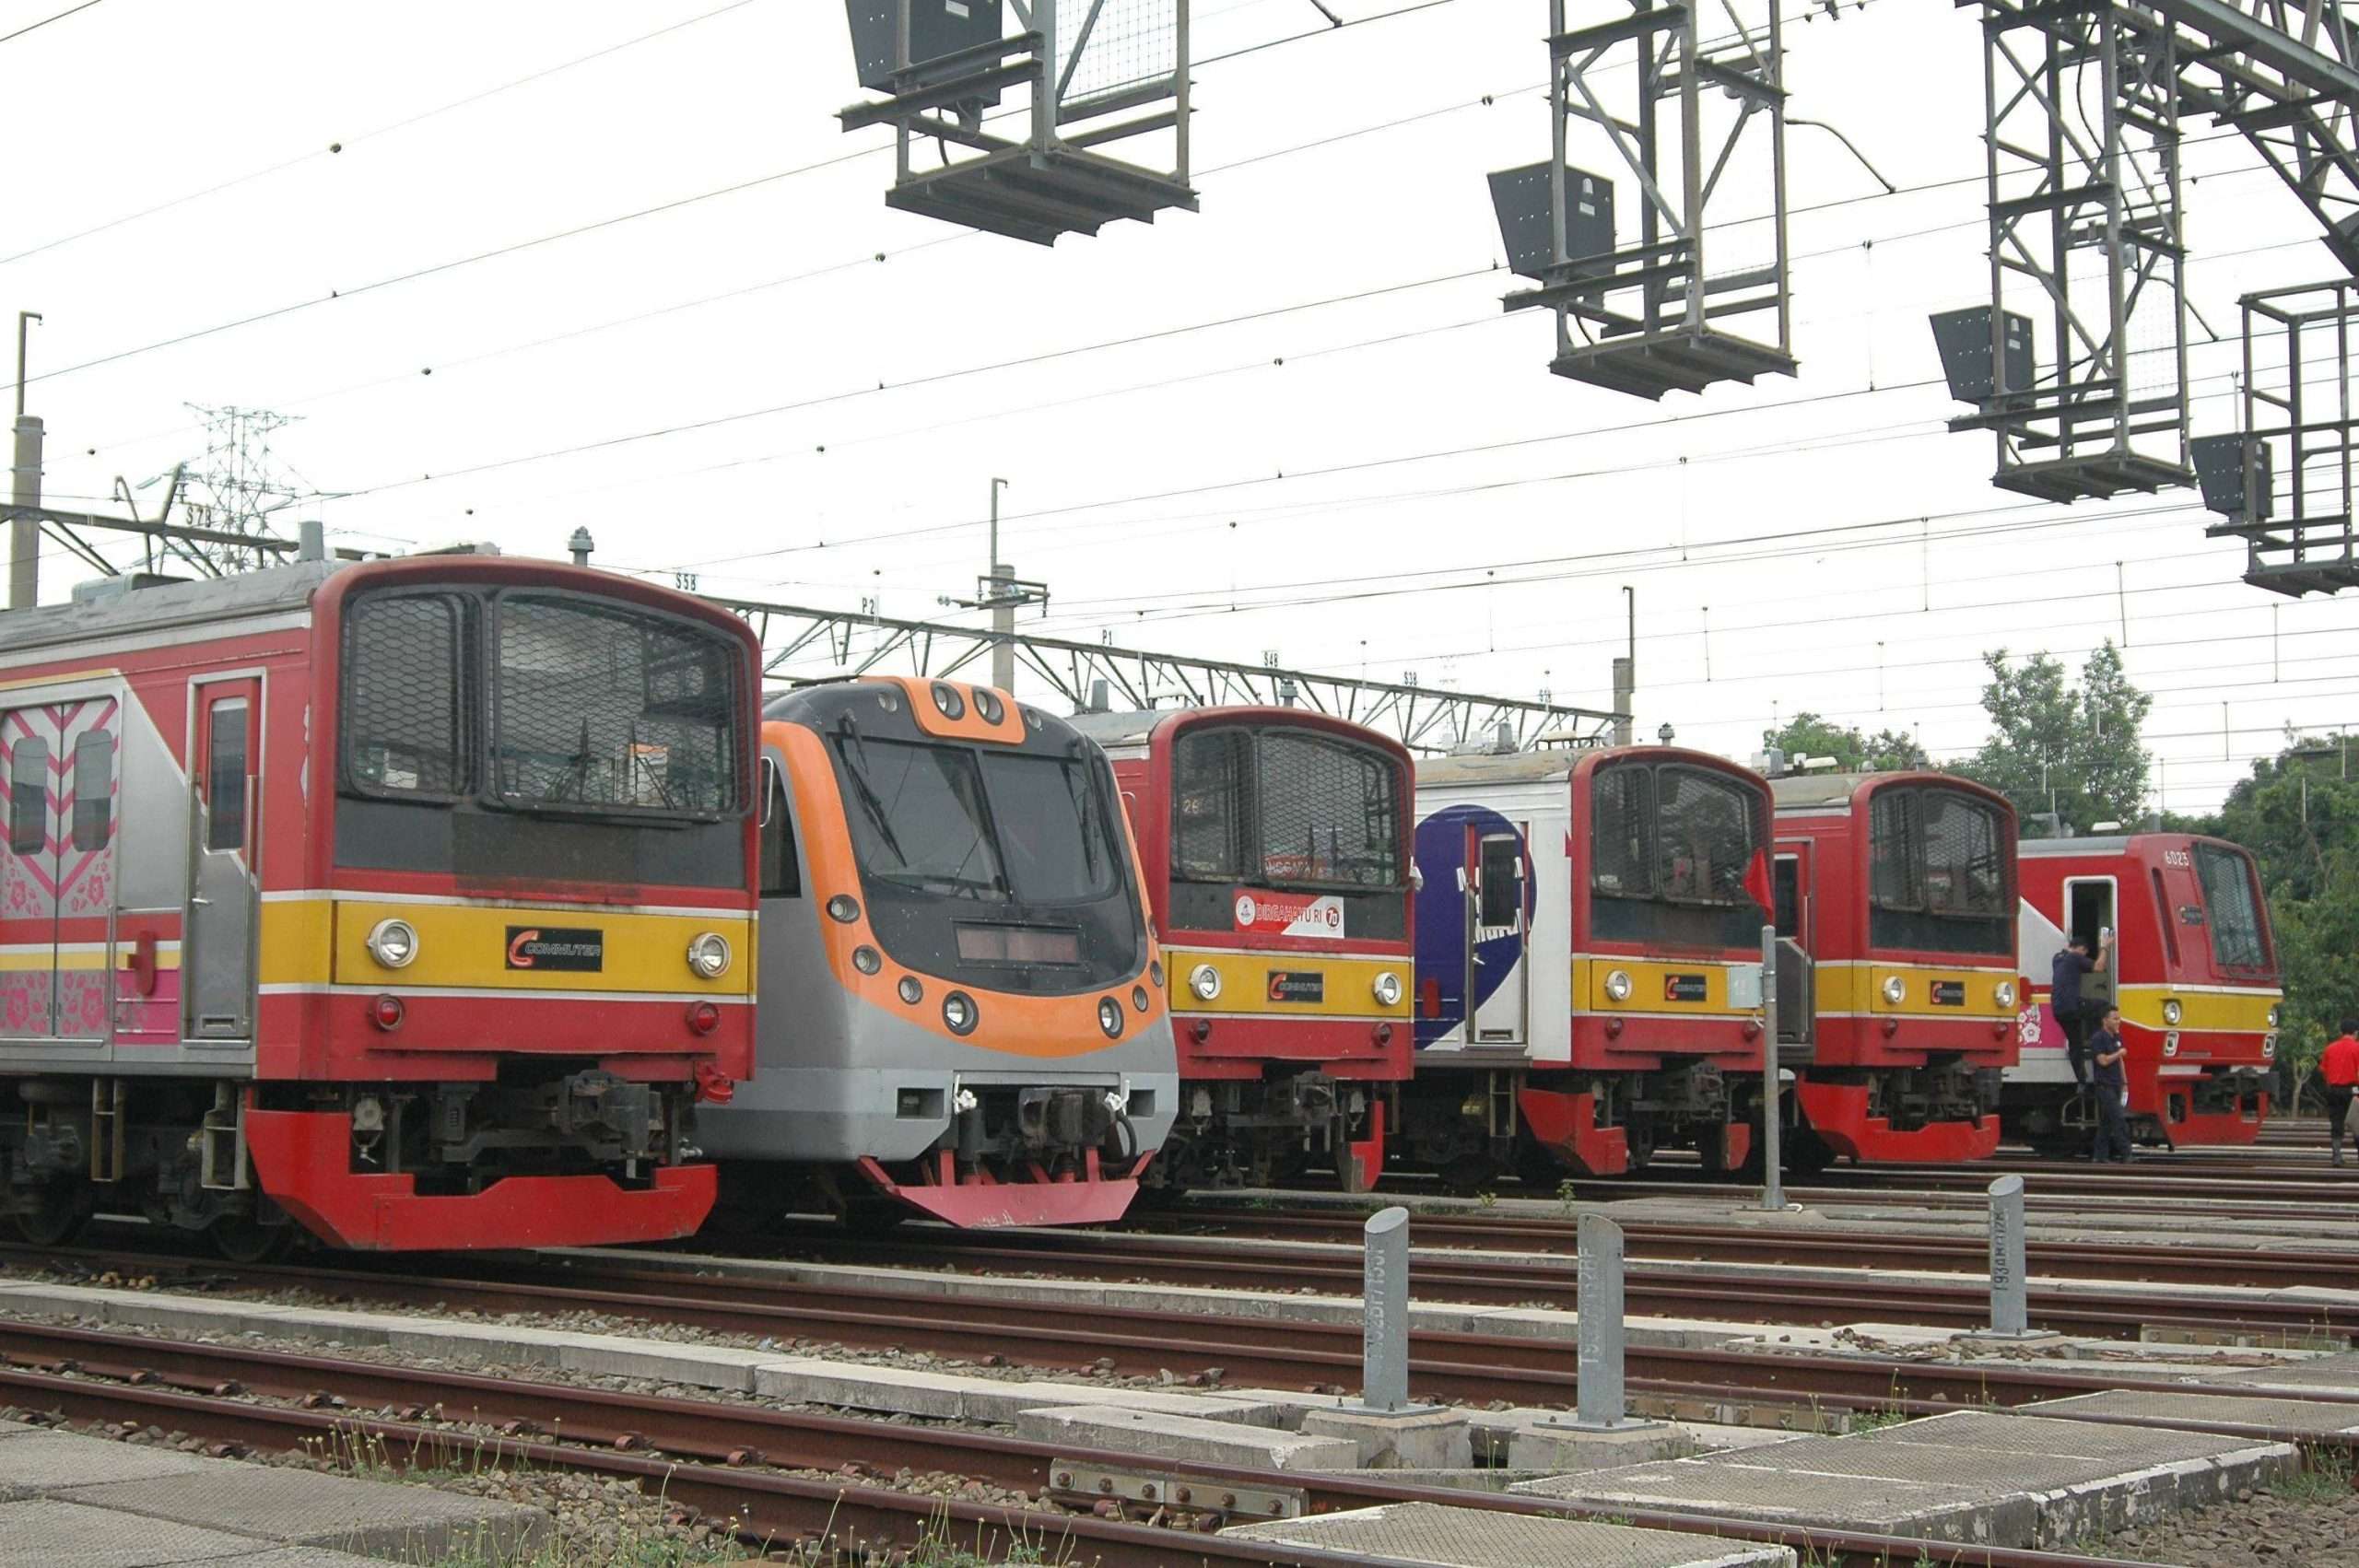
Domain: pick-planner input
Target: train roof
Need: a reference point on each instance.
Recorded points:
(1112, 730)
(1812, 792)
(1494, 767)
(2117, 843)
(159, 606)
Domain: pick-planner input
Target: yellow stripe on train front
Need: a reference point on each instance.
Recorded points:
(1926, 990)
(1678, 989)
(1292, 984)
(480, 947)
(2237, 1012)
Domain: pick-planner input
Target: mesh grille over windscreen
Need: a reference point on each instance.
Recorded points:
(601, 707)
(2233, 914)
(1623, 831)
(407, 694)
(1329, 810)
(1208, 774)
(1708, 835)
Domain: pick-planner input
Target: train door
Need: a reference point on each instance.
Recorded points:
(57, 883)
(1791, 890)
(225, 890)
(1495, 905)
(2092, 911)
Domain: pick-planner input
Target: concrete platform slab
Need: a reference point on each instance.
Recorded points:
(1185, 1437)
(37, 1464)
(306, 1508)
(14, 1428)
(2340, 1372)
(1558, 1449)
(294, 1557)
(2310, 1418)
(1474, 1538)
(42, 1533)
(1989, 1477)
(660, 1360)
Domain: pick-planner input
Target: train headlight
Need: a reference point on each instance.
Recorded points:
(708, 955)
(1617, 986)
(1204, 980)
(1109, 1017)
(958, 1012)
(2172, 1012)
(866, 959)
(394, 943)
(1896, 989)
(2005, 993)
(913, 990)
(2276, 1013)
(1388, 989)
(2170, 1043)
(844, 908)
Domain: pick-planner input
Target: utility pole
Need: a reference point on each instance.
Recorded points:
(1003, 606)
(24, 527)
(1626, 672)
(1003, 593)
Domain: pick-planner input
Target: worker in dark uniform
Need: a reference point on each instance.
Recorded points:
(2339, 1068)
(2110, 1084)
(2073, 961)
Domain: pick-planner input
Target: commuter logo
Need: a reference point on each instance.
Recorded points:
(573, 949)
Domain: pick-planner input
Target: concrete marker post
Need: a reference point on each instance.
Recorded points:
(1384, 1335)
(2010, 1303)
(1600, 1394)
(1773, 1175)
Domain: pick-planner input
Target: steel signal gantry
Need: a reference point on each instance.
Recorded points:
(1684, 118)
(945, 66)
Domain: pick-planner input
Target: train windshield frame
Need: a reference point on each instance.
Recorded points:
(989, 826)
(1249, 807)
(545, 702)
(1005, 869)
(1670, 846)
(2235, 922)
(1938, 877)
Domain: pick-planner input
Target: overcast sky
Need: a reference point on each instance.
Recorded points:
(1145, 476)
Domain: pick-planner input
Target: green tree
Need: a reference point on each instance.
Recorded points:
(1807, 735)
(2057, 746)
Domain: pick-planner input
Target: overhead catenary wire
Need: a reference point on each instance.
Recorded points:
(59, 17)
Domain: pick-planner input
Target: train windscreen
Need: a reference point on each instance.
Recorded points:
(982, 860)
(2231, 910)
(1938, 878)
(538, 733)
(1669, 846)
(1284, 807)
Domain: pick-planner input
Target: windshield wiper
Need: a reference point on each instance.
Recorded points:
(869, 800)
(577, 770)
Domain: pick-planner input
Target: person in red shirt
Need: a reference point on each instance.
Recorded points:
(2339, 1068)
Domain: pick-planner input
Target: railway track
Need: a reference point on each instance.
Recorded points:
(716, 1457)
(2181, 1178)
(2258, 1267)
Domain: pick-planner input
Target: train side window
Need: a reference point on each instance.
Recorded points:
(1502, 873)
(29, 796)
(2162, 914)
(225, 774)
(781, 877)
(93, 789)
(1789, 894)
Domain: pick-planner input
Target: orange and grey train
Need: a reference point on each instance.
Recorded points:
(980, 1030)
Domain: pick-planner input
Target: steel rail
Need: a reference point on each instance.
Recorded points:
(767, 1508)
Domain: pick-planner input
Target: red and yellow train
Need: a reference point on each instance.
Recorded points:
(408, 903)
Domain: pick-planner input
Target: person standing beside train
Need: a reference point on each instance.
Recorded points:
(2073, 961)
(2111, 1086)
(2339, 1068)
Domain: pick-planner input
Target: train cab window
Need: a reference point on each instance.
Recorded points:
(1501, 904)
(1705, 842)
(2232, 908)
(29, 796)
(408, 689)
(1328, 810)
(781, 876)
(1052, 823)
(93, 789)
(2163, 917)
(1208, 810)
(225, 774)
(1622, 858)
